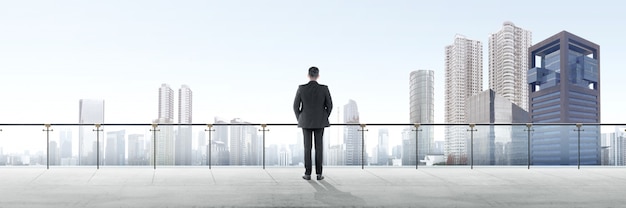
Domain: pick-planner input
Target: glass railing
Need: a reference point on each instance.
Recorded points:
(276, 145)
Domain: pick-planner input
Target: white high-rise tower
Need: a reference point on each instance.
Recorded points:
(183, 139)
(165, 137)
(351, 135)
(464, 67)
(91, 111)
(508, 63)
(422, 110)
(184, 105)
(166, 103)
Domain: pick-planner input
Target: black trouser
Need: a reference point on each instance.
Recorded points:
(319, 150)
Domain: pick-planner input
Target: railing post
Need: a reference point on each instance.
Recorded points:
(97, 130)
(472, 130)
(47, 130)
(264, 130)
(416, 130)
(154, 130)
(578, 126)
(529, 129)
(362, 130)
(210, 130)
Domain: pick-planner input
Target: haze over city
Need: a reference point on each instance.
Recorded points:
(246, 59)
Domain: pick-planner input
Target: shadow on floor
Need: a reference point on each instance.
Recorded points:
(328, 194)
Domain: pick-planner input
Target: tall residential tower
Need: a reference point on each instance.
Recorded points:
(464, 67)
(508, 63)
(165, 137)
(183, 139)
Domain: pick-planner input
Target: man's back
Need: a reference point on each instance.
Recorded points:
(313, 105)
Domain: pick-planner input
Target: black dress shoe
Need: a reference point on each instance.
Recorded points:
(320, 177)
(307, 177)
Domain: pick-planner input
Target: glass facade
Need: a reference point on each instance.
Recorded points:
(422, 110)
(564, 89)
(497, 145)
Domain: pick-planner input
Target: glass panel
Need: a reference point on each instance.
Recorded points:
(383, 145)
(24, 146)
(126, 145)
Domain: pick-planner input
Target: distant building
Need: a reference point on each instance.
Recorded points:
(408, 147)
(54, 153)
(382, 152)
(508, 63)
(497, 145)
(90, 112)
(422, 110)
(166, 103)
(164, 145)
(396, 152)
(614, 145)
(464, 78)
(354, 154)
(220, 153)
(284, 156)
(564, 87)
(115, 151)
(65, 148)
(244, 144)
(271, 155)
(183, 138)
(137, 153)
(336, 154)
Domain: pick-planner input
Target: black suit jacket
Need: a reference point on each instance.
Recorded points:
(312, 105)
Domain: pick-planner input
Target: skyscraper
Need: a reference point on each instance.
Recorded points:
(201, 150)
(166, 103)
(165, 136)
(508, 63)
(382, 149)
(617, 149)
(564, 87)
(184, 105)
(183, 139)
(243, 144)
(136, 150)
(54, 153)
(115, 150)
(351, 135)
(220, 152)
(464, 67)
(422, 110)
(497, 145)
(90, 112)
(65, 137)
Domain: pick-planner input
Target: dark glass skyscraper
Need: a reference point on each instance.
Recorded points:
(563, 82)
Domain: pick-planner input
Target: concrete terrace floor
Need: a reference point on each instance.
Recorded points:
(283, 187)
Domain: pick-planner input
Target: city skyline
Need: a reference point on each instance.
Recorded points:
(248, 64)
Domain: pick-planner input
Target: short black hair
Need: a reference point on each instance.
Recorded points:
(314, 72)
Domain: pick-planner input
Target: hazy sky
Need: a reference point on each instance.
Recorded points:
(245, 58)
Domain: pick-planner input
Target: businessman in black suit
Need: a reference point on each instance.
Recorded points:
(312, 106)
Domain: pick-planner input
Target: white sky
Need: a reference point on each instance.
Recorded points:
(245, 58)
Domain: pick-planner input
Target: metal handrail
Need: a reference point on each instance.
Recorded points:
(362, 129)
(295, 124)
